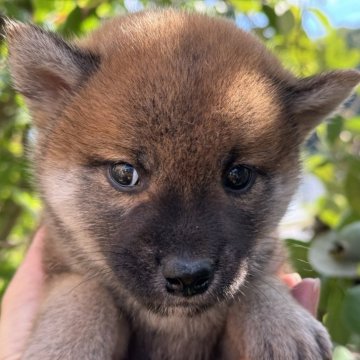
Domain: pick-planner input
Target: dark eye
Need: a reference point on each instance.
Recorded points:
(239, 177)
(124, 175)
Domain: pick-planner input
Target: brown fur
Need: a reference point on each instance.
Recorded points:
(181, 97)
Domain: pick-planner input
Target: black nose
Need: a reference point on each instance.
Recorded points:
(187, 277)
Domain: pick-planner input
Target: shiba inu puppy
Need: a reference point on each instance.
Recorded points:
(167, 152)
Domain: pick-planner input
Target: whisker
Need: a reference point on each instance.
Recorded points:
(100, 272)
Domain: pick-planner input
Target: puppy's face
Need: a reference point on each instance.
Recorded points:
(168, 150)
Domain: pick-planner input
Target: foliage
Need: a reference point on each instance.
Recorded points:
(332, 155)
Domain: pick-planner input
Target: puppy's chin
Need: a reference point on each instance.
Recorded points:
(171, 306)
(184, 310)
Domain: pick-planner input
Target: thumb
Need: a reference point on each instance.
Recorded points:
(307, 293)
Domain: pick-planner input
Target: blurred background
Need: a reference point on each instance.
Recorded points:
(322, 226)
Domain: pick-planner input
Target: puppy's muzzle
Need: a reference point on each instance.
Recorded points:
(184, 277)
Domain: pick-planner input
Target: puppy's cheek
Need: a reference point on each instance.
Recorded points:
(284, 189)
(238, 280)
(231, 274)
(62, 190)
(146, 285)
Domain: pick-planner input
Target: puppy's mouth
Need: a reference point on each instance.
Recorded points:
(222, 287)
(186, 305)
(217, 294)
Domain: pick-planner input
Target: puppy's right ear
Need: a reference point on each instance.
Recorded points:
(45, 68)
(313, 99)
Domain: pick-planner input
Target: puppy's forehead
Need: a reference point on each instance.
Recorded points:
(180, 82)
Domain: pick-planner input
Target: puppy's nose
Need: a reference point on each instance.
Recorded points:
(187, 277)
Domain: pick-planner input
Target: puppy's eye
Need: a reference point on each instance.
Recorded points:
(123, 175)
(239, 178)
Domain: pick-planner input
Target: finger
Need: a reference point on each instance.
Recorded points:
(291, 280)
(307, 293)
(30, 273)
(21, 301)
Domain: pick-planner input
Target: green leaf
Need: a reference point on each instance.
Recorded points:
(352, 188)
(348, 243)
(322, 259)
(73, 22)
(322, 17)
(333, 129)
(351, 309)
(353, 125)
(342, 353)
(347, 218)
(298, 251)
(246, 5)
(334, 315)
(272, 17)
(286, 21)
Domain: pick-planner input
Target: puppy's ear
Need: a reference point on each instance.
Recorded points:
(45, 68)
(314, 98)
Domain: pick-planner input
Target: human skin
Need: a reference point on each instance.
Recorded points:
(21, 302)
(22, 299)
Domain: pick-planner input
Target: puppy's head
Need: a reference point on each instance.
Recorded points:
(167, 149)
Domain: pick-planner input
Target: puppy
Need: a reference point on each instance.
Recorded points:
(167, 151)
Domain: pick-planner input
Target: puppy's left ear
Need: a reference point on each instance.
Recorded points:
(313, 99)
(46, 69)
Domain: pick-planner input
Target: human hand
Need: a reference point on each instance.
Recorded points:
(305, 291)
(22, 299)
(21, 302)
